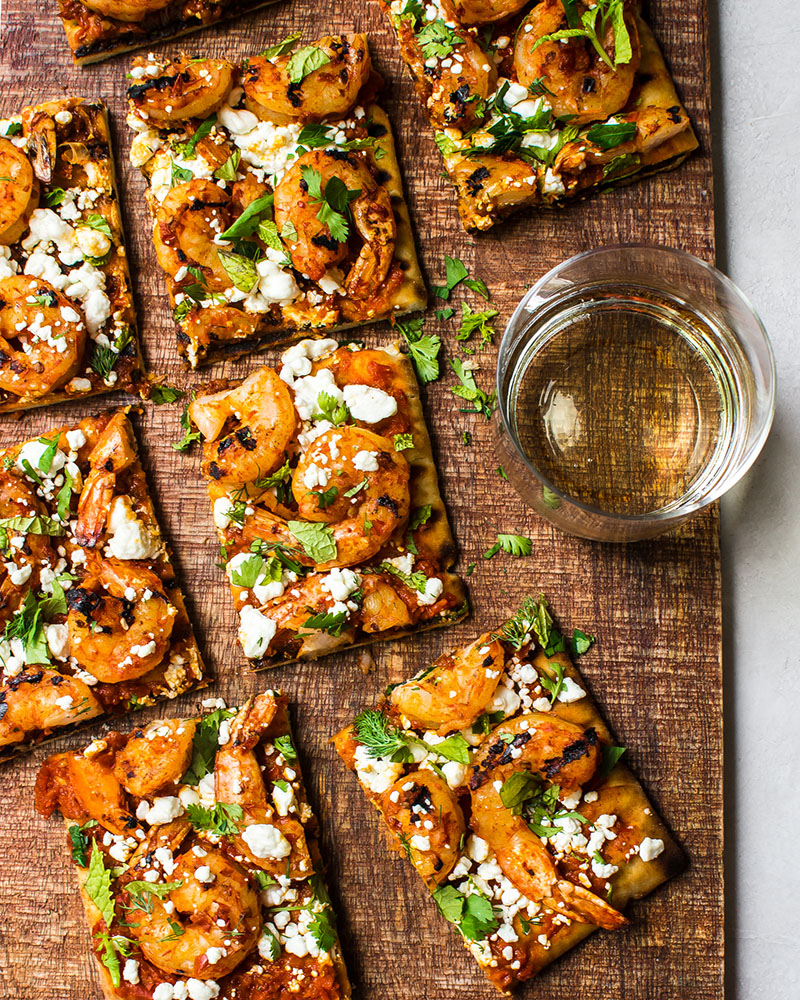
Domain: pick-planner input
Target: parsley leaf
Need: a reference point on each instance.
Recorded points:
(436, 39)
(205, 745)
(223, 820)
(326, 497)
(333, 200)
(381, 738)
(581, 642)
(113, 945)
(98, 886)
(514, 545)
(190, 436)
(455, 272)
(424, 349)
(315, 538)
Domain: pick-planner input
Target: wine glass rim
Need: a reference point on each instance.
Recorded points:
(766, 398)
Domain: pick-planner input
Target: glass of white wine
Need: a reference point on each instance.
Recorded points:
(636, 384)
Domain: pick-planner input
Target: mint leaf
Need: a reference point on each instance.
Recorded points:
(315, 538)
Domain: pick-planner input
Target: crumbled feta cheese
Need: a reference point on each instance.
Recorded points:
(256, 631)
(266, 841)
(369, 404)
(650, 848)
(375, 773)
(130, 539)
(366, 461)
(341, 583)
(164, 809)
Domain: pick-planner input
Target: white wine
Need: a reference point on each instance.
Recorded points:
(627, 405)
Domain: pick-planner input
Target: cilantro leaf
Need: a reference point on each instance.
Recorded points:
(482, 402)
(284, 745)
(160, 394)
(609, 12)
(472, 322)
(581, 642)
(223, 820)
(80, 845)
(190, 436)
(436, 39)
(205, 745)
(514, 545)
(472, 914)
(332, 409)
(455, 272)
(423, 348)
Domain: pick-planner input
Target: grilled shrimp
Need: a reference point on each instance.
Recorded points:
(84, 788)
(126, 10)
(654, 126)
(238, 781)
(39, 699)
(42, 337)
(315, 249)
(454, 95)
(330, 90)
(187, 88)
(456, 690)
(155, 757)
(120, 621)
(424, 813)
(222, 910)
(19, 192)
(580, 83)
(553, 750)
(113, 452)
(247, 430)
(354, 459)
(187, 221)
(486, 11)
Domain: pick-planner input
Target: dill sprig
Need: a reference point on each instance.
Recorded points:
(381, 738)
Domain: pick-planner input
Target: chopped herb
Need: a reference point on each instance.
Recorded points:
(486, 722)
(472, 322)
(160, 394)
(416, 581)
(178, 174)
(240, 269)
(54, 197)
(380, 738)
(305, 61)
(269, 942)
(402, 442)
(518, 789)
(186, 149)
(471, 569)
(157, 889)
(446, 145)
(436, 39)
(607, 135)
(99, 223)
(445, 314)
(315, 538)
(282, 47)
(423, 348)
(501, 472)
(609, 759)
(610, 12)
(455, 272)
(332, 409)
(333, 200)
(472, 914)
(223, 820)
(80, 845)
(469, 391)
(619, 166)
(327, 622)
(39, 524)
(542, 622)
(420, 515)
(190, 436)
(205, 745)
(453, 748)
(284, 745)
(248, 221)
(227, 172)
(581, 642)
(357, 488)
(553, 685)
(113, 945)
(98, 886)
(514, 545)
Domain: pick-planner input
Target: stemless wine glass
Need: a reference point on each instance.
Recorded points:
(636, 385)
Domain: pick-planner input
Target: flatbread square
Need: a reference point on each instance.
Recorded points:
(67, 319)
(325, 496)
(498, 778)
(197, 858)
(539, 105)
(276, 195)
(92, 616)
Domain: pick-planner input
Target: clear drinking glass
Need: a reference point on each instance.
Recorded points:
(636, 385)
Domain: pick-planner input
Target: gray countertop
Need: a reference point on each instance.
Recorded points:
(757, 136)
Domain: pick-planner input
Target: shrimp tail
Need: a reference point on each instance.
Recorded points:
(584, 906)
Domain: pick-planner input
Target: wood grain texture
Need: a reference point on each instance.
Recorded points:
(655, 606)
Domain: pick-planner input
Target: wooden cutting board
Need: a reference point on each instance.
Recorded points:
(655, 606)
